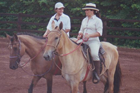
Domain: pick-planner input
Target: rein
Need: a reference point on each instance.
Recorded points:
(58, 44)
(68, 54)
(21, 66)
(72, 50)
(39, 74)
(35, 55)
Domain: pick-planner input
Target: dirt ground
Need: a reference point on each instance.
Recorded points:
(17, 81)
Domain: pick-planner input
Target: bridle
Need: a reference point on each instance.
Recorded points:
(56, 45)
(17, 54)
(19, 57)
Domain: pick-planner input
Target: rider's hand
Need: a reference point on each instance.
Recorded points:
(86, 37)
(44, 35)
(79, 36)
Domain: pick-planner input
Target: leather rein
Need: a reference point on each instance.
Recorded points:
(19, 57)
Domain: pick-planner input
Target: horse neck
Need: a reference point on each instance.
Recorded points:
(32, 46)
(66, 47)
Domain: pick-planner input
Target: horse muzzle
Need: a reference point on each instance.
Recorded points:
(48, 56)
(13, 66)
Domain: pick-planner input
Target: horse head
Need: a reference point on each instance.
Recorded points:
(53, 41)
(16, 50)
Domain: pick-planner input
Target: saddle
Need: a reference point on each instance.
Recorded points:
(87, 54)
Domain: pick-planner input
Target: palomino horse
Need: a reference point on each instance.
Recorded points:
(20, 44)
(74, 65)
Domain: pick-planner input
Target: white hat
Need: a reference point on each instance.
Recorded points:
(90, 6)
(59, 5)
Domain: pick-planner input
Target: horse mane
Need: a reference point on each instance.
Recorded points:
(31, 34)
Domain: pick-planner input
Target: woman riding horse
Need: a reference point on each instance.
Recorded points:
(91, 29)
(75, 66)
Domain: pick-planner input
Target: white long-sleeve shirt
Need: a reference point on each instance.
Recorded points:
(93, 25)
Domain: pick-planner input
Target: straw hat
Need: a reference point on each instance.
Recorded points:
(90, 6)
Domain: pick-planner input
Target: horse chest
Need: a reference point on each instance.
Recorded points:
(66, 76)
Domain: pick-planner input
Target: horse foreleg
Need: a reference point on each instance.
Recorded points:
(33, 83)
(49, 84)
(84, 87)
(74, 87)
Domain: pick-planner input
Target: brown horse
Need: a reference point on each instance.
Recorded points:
(74, 65)
(21, 44)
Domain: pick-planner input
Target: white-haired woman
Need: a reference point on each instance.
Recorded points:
(91, 29)
(58, 18)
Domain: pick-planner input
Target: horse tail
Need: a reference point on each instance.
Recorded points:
(117, 78)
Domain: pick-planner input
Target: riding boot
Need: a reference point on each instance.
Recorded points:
(96, 72)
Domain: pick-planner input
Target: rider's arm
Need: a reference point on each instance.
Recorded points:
(67, 30)
(81, 31)
(46, 33)
(97, 34)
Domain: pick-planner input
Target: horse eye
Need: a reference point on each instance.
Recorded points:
(56, 38)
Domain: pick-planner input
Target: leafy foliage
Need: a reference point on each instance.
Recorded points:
(114, 9)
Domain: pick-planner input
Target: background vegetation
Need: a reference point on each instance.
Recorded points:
(113, 9)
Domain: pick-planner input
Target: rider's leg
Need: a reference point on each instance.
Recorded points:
(94, 47)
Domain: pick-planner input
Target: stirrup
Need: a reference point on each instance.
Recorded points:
(95, 76)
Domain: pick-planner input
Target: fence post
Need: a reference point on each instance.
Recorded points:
(19, 22)
(104, 29)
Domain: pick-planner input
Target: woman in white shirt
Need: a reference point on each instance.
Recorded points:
(58, 18)
(91, 29)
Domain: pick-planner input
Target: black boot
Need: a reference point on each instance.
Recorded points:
(96, 72)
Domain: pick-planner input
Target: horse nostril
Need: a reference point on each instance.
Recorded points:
(13, 67)
(47, 57)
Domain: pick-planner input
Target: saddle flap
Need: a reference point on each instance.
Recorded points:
(101, 50)
(86, 53)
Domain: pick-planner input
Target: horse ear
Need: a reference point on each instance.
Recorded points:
(15, 37)
(8, 36)
(60, 25)
(53, 24)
